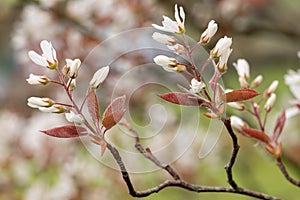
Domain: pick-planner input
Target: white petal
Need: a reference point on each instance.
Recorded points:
(99, 77)
(37, 59)
(48, 51)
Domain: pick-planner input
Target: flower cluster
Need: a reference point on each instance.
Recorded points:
(66, 78)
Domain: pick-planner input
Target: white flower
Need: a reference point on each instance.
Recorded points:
(37, 80)
(272, 87)
(237, 122)
(257, 81)
(209, 32)
(74, 118)
(164, 39)
(196, 86)
(270, 102)
(221, 47)
(72, 67)
(177, 48)
(167, 63)
(37, 102)
(222, 64)
(53, 109)
(48, 57)
(173, 26)
(236, 105)
(243, 70)
(292, 79)
(99, 77)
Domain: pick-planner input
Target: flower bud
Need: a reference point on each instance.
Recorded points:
(164, 39)
(236, 105)
(74, 118)
(99, 77)
(167, 63)
(270, 102)
(37, 80)
(72, 67)
(177, 48)
(222, 64)
(237, 122)
(196, 86)
(209, 32)
(54, 109)
(272, 87)
(72, 84)
(257, 81)
(221, 47)
(37, 102)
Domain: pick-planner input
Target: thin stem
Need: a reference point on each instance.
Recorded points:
(234, 153)
(285, 172)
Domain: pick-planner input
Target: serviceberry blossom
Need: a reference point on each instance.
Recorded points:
(74, 118)
(48, 57)
(37, 80)
(292, 79)
(37, 102)
(169, 64)
(222, 64)
(54, 109)
(272, 87)
(209, 32)
(243, 70)
(237, 122)
(99, 77)
(221, 47)
(173, 26)
(164, 39)
(177, 48)
(196, 86)
(257, 81)
(72, 67)
(270, 102)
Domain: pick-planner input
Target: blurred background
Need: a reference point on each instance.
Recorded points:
(35, 166)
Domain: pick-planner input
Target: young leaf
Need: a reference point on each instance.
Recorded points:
(112, 119)
(253, 133)
(279, 126)
(93, 108)
(239, 95)
(68, 131)
(116, 105)
(181, 99)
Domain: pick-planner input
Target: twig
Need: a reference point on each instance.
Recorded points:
(234, 153)
(285, 172)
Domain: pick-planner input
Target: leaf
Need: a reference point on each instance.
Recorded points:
(257, 134)
(114, 112)
(112, 119)
(93, 108)
(239, 95)
(182, 99)
(279, 126)
(116, 105)
(68, 131)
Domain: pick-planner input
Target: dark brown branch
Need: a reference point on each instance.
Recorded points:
(285, 172)
(148, 154)
(179, 183)
(235, 150)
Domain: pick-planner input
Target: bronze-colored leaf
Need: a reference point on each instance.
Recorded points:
(68, 131)
(116, 105)
(257, 134)
(181, 99)
(239, 95)
(93, 108)
(279, 126)
(112, 119)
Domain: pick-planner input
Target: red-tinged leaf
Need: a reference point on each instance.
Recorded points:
(253, 133)
(112, 119)
(68, 131)
(93, 108)
(298, 105)
(181, 99)
(239, 95)
(279, 126)
(116, 105)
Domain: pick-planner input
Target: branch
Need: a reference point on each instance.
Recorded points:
(235, 150)
(285, 172)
